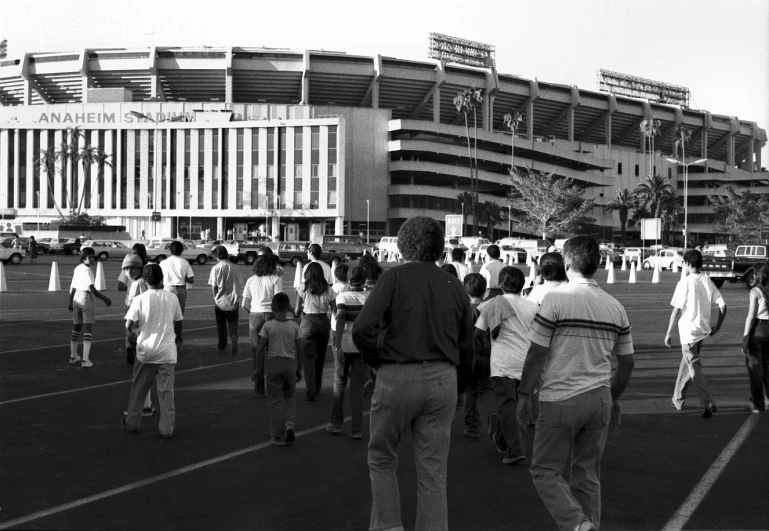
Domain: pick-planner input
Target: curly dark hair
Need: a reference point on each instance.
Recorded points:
(475, 284)
(315, 279)
(372, 267)
(266, 265)
(511, 279)
(551, 267)
(141, 251)
(582, 254)
(421, 238)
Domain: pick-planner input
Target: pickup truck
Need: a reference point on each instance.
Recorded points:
(740, 268)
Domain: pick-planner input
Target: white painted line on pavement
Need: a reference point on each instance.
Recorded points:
(99, 316)
(109, 384)
(154, 479)
(679, 520)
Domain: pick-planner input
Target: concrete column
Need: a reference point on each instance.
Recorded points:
(94, 184)
(208, 172)
(570, 124)
(131, 139)
(228, 76)
(117, 162)
(704, 144)
(27, 91)
(758, 155)
(530, 120)
(109, 170)
(4, 164)
(607, 131)
(306, 78)
(339, 225)
(16, 163)
(194, 164)
(437, 105)
(487, 106)
(144, 168)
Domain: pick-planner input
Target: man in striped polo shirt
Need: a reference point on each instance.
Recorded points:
(573, 336)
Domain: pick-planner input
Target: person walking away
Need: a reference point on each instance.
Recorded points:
(755, 340)
(691, 304)
(490, 270)
(225, 285)
(16, 242)
(340, 285)
(458, 261)
(508, 318)
(81, 294)
(575, 332)
(313, 304)
(281, 346)
(177, 273)
(475, 285)
(314, 252)
(32, 250)
(426, 346)
(155, 318)
(373, 272)
(132, 273)
(348, 363)
(260, 289)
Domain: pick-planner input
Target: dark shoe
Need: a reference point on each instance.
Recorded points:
(709, 410)
(220, 349)
(257, 394)
(166, 435)
(753, 408)
(148, 411)
(512, 459)
(493, 421)
(311, 397)
(290, 435)
(471, 434)
(124, 425)
(130, 355)
(500, 443)
(356, 435)
(333, 430)
(278, 442)
(234, 345)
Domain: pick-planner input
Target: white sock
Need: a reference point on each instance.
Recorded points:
(86, 346)
(73, 337)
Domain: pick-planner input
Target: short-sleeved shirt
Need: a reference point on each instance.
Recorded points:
(83, 278)
(582, 325)
(762, 312)
(126, 279)
(326, 270)
(490, 271)
(226, 277)
(175, 271)
(353, 303)
(337, 288)
(281, 338)
(539, 291)
(137, 288)
(315, 304)
(260, 291)
(462, 269)
(154, 312)
(513, 314)
(694, 296)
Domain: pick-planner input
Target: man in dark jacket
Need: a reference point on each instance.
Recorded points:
(427, 321)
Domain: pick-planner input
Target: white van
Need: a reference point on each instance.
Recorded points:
(535, 248)
(388, 244)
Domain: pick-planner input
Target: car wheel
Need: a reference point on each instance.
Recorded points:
(39, 251)
(647, 266)
(202, 259)
(750, 279)
(103, 256)
(15, 258)
(250, 258)
(296, 261)
(719, 282)
(159, 258)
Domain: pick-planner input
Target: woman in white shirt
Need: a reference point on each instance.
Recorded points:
(313, 304)
(755, 340)
(81, 294)
(257, 299)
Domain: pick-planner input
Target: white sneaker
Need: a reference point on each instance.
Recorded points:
(86, 364)
(74, 360)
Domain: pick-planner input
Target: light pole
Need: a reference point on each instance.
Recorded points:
(510, 220)
(462, 230)
(368, 221)
(686, 194)
(38, 213)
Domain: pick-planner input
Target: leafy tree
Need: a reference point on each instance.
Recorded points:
(740, 214)
(80, 219)
(653, 192)
(622, 203)
(547, 203)
(512, 121)
(465, 198)
(640, 211)
(45, 160)
(491, 215)
(466, 101)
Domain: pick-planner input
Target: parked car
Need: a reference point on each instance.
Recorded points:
(41, 246)
(11, 256)
(55, 245)
(740, 268)
(666, 258)
(386, 246)
(610, 255)
(106, 249)
(632, 253)
(72, 246)
(506, 251)
(160, 251)
(340, 247)
(293, 252)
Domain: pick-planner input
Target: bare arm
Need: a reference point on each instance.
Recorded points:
(341, 314)
(675, 315)
(719, 322)
(71, 297)
(621, 378)
(96, 293)
(299, 356)
(532, 367)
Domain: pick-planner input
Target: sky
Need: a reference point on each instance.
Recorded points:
(719, 49)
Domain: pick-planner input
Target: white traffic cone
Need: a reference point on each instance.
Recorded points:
(298, 276)
(610, 276)
(608, 263)
(54, 284)
(101, 283)
(640, 263)
(515, 257)
(656, 274)
(632, 280)
(333, 270)
(3, 284)
(624, 263)
(467, 259)
(674, 268)
(532, 272)
(478, 255)
(528, 258)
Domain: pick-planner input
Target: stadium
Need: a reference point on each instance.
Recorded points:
(294, 143)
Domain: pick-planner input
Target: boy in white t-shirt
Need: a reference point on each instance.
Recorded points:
(340, 285)
(156, 318)
(691, 303)
(81, 294)
(177, 273)
(509, 318)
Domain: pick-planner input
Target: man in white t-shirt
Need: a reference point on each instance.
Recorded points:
(177, 273)
(156, 318)
(314, 252)
(691, 304)
(509, 318)
(490, 271)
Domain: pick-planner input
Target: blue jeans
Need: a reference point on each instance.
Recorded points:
(570, 438)
(422, 397)
(315, 331)
(757, 362)
(280, 376)
(354, 368)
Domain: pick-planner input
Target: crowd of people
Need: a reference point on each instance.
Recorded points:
(430, 340)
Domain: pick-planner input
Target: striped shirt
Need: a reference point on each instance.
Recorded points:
(352, 303)
(582, 326)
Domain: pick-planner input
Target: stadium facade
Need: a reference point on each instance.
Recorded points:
(299, 142)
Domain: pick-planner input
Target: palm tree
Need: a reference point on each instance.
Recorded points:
(491, 214)
(46, 162)
(622, 203)
(652, 193)
(512, 121)
(88, 156)
(640, 211)
(683, 136)
(467, 101)
(650, 127)
(464, 198)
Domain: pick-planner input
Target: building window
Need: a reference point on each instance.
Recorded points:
(271, 168)
(173, 155)
(670, 173)
(11, 163)
(137, 168)
(314, 151)
(332, 155)
(201, 167)
(636, 170)
(239, 169)
(187, 189)
(298, 169)
(282, 167)
(35, 170)
(255, 168)
(619, 168)
(217, 165)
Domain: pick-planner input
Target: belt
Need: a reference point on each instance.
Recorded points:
(178, 286)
